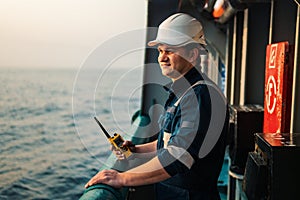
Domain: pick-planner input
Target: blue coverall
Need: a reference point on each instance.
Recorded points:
(193, 161)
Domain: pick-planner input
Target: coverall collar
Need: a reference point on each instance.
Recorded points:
(181, 85)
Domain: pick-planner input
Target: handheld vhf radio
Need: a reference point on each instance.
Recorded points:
(116, 141)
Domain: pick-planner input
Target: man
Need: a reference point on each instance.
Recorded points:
(190, 147)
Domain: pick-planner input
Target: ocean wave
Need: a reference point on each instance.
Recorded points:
(42, 155)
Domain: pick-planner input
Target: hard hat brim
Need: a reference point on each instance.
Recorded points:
(158, 42)
(174, 38)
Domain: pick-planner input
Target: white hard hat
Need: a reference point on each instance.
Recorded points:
(178, 30)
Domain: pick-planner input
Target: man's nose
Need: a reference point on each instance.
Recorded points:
(162, 57)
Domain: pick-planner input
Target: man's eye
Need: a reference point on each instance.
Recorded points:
(167, 51)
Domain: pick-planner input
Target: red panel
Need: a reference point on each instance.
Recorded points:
(278, 88)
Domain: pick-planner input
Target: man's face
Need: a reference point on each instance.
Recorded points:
(173, 61)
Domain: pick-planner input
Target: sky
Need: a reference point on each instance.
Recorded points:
(62, 33)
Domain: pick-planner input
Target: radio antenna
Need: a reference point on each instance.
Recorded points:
(103, 129)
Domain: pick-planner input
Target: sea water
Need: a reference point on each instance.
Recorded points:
(50, 144)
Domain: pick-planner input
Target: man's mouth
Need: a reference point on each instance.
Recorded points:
(165, 65)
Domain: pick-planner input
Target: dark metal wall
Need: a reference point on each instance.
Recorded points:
(284, 21)
(240, 44)
(295, 126)
(251, 31)
(257, 40)
(153, 92)
(285, 27)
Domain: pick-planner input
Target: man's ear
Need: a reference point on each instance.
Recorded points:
(194, 54)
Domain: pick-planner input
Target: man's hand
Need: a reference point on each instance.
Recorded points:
(109, 177)
(119, 154)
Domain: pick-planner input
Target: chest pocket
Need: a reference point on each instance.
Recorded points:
(166, 122)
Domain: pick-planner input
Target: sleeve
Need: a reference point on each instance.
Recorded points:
(187, 137)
